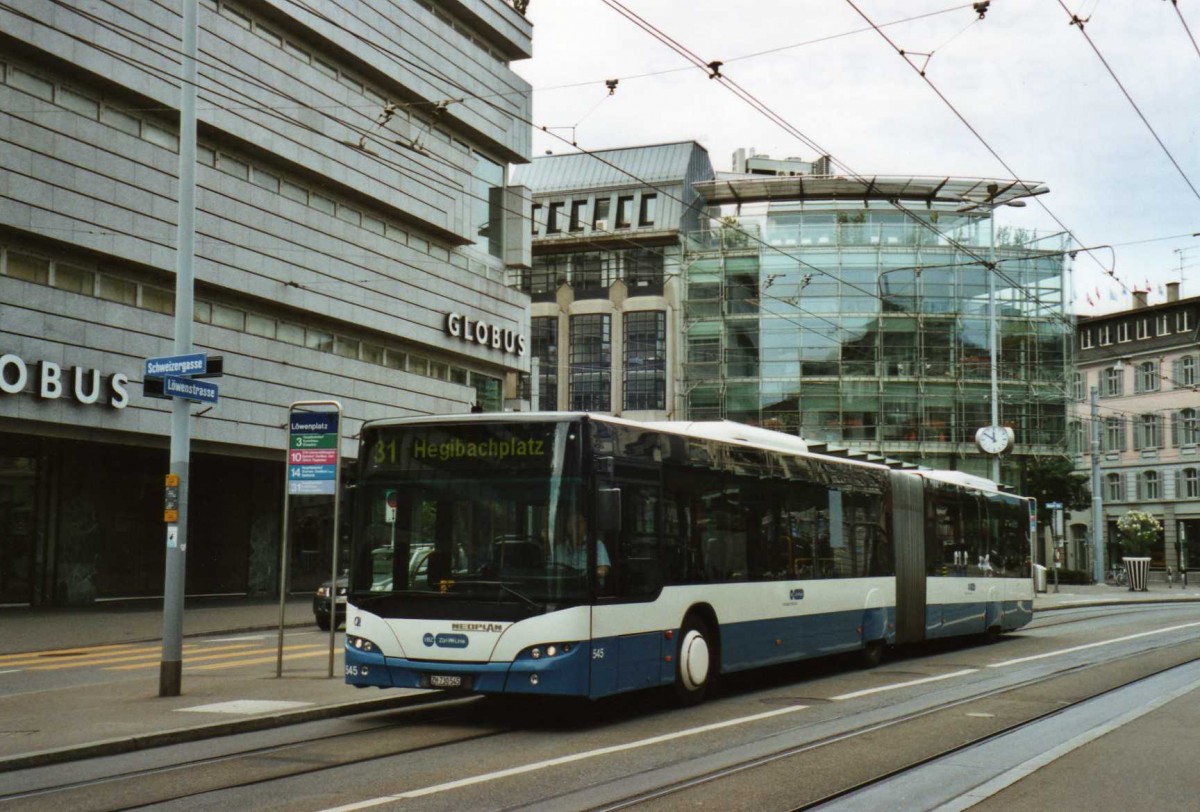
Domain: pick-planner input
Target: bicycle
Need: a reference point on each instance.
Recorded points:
(1116, 577)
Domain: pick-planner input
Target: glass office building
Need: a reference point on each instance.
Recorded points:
(857, 312)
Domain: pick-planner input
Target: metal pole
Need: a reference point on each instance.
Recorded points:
(283, 568)
(994, 350)
(1097, 495)
(535, 384)
(333, 588)
(171, 668)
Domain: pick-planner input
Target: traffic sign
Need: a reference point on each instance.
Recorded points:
(1054, 506)
(195, 363)
(186, 388)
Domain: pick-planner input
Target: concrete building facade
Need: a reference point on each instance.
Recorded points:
(354, 227)
(606, 281)
(1144, 362)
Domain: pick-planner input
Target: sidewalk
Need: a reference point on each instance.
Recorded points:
(63, 724)
(125, 715)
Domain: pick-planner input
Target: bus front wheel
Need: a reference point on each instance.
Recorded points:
(695, 662)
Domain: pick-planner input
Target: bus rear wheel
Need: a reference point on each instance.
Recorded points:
(695, 662)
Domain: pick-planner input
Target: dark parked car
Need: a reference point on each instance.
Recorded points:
(321, 604)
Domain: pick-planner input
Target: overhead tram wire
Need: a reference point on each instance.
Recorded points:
(713, 70)
(971, 128)
(695, 59)
(433, 72)
(222, 67)
(1076, 21)
(1183, 22)
(151, 70)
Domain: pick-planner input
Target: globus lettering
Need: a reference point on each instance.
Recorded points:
(85, 385)
(480, 332)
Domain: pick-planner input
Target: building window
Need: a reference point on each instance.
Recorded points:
(489, 392)
(1183, 321)
(1122, 332)
(1079, 385)
(1185, 371)
(1076, 442)
(578, 208)
(1187, 427)
(544, 347)
(648, 211)
(1085, 340)
(1105, 335)
(1164, 325)
(76, 280)
(1190, 484)
(1147, 376)
(1112, 382)
(554, 220)
(1143, 328)
(624, 211)
(486, 201)
(591, 362)
(1147, 432)
(115, 289)
(600, 214)
(1114, 433)
(646, 360)
(1112, 487)
(29, 268)
(536, 217)
(1148, 485)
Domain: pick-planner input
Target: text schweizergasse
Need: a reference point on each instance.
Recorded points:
(491, 449)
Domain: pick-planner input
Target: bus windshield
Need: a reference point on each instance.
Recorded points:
(470, 512)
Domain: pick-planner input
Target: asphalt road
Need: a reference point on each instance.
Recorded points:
(781, 739)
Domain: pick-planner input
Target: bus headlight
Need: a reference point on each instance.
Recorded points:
(547, 650)
(361, 644)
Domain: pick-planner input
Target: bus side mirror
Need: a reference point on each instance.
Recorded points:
(608, 510)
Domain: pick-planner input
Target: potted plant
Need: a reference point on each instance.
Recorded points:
(1137, 531)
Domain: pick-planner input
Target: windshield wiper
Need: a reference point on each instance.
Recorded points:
(514, 592)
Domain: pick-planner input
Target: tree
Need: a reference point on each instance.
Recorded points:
(1053, 479)
(1138, 531)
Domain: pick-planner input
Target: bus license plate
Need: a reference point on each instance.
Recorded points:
(448, 681)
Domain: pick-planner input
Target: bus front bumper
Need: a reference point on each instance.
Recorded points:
(565, 674)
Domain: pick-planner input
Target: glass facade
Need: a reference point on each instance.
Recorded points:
(870, 328)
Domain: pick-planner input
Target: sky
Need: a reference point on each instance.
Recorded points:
(1029, 84)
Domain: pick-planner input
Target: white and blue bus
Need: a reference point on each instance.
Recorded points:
(583, 555)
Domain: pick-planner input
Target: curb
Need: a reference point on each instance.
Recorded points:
(112, 747)
(1085, 602)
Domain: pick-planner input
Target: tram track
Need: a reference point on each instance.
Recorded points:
(291, 759)
(458, 722)
(670, 796)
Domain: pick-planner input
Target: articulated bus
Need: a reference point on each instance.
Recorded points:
(583, 555)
